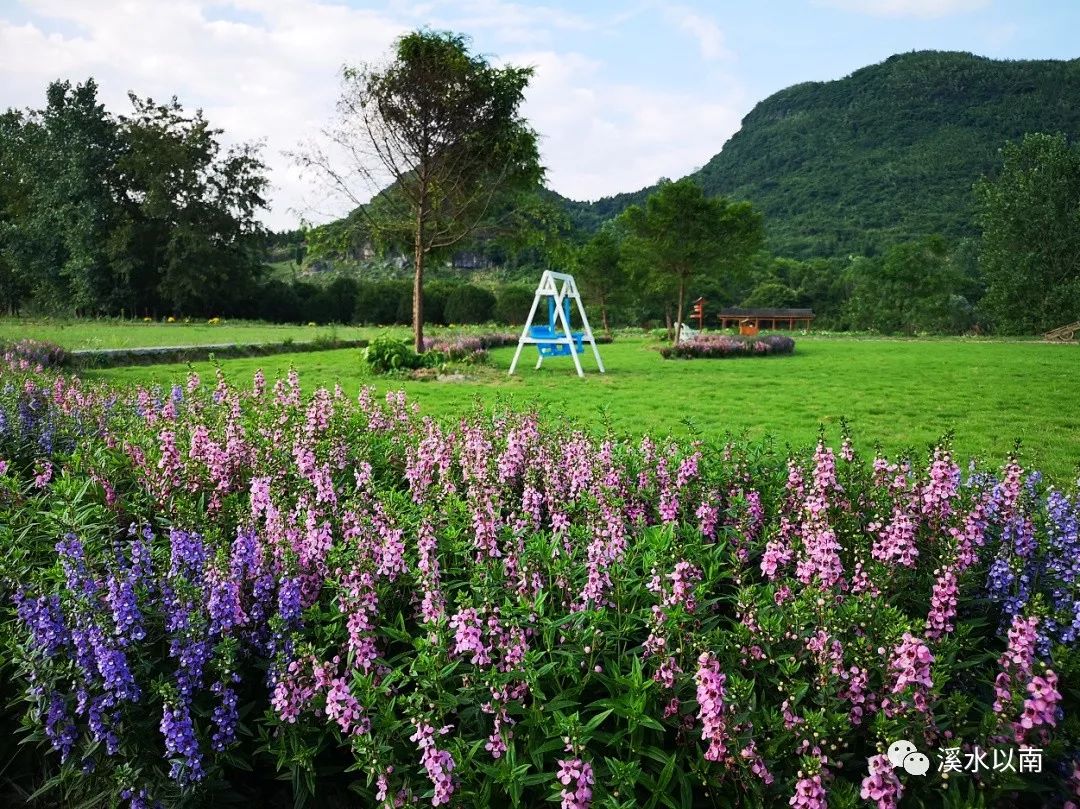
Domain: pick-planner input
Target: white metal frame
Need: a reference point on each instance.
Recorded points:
(559, 286)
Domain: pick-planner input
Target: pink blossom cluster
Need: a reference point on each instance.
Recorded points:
(939, 621)
(855, 691)
(1041, 704)
(757, 764)
(576, 776)
(820, 558)
(1016, 662)
(942, 486)
(828, 652)
(438, 764)
(777, 555)
(468, 637)
(809, 793)
(895, 541)
(711, 709)
(680, 593)
(910, 665)
(342, 707)
(881, 785)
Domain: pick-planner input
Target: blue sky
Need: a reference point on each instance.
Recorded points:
(624, 92)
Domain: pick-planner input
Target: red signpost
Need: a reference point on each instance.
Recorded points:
(699, 312)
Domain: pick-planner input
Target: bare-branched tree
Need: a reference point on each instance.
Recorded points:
(429, 145)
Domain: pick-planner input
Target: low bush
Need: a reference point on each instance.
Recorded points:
(384, 303)
(513, 302)
(468, 347)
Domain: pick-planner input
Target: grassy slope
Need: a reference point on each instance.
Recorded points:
(77, 334)
(901, 393)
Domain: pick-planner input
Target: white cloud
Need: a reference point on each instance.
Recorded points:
(267, 69)
(926, 9)
(707, 32)
(600, 138)
(274, 79)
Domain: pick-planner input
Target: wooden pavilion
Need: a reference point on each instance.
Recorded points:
(754, 319)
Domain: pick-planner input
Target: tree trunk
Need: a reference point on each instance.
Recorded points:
(679, 311)
(418, 283)
(603, 316)
(667, 319)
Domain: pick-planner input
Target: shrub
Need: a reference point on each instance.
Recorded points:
(469, 304)
(513, 303)
(719, 346)
(386, 354)
(436, 295)
(380, 303)
(341, 295)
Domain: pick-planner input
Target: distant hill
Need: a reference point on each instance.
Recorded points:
(884, 155)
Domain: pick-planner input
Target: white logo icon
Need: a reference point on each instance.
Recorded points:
(904, 754)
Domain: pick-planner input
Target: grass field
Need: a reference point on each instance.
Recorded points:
(899, 393)
(80, 334)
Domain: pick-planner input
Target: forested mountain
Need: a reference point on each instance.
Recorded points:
(885, 155)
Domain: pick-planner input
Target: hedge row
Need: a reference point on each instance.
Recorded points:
(386, 303)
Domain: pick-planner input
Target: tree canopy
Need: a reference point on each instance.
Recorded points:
(600, 271)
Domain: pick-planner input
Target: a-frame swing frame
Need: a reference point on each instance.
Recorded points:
(561, 287)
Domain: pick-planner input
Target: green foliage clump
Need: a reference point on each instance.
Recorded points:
(380, 303)
(386, 354)
(1030, 216)
(681, 235)
(512, 303)
(919, 287)
(145, 213)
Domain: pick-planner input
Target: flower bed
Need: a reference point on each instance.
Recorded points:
(387, 610)
(32, 353)
(721, 346)
(470, 348)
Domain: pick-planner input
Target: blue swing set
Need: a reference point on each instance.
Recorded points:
(556, 338)
(552, 331)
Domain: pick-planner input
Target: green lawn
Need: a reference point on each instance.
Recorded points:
(899, 393)
(76, 334)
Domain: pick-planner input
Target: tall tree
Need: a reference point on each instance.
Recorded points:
(190, 241)
(1030, 219)
(105, 214)
(58, 197)
(600, 270)
(680, 235)
(14, 200)
(437, 135)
